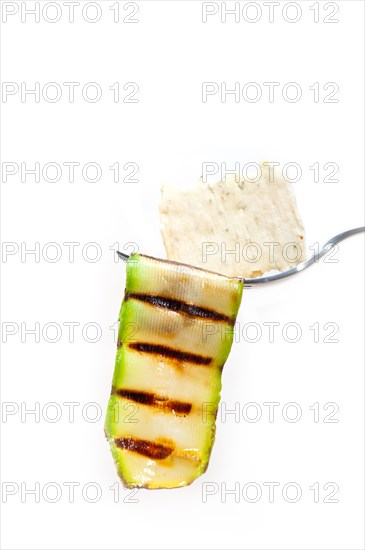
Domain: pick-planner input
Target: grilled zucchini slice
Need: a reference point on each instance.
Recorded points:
(175, 334)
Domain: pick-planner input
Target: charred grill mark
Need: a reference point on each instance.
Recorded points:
(150, 449)
(180, 307)
(153, 400)
(172, 353)
(119, 344)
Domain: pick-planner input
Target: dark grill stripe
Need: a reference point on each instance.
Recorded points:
(172, 353)
(150, 449)
(180, 307)
(153, 400)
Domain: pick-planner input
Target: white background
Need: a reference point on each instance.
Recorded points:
(169, 133)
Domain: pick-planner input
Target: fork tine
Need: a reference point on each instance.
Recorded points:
(297, 269)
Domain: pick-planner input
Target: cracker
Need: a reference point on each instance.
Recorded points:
(238, 228)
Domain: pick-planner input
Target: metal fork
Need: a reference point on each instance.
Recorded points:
(297, 269)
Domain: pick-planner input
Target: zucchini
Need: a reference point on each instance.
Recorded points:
(175, 334)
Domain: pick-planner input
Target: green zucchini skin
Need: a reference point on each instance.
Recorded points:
(175, 334)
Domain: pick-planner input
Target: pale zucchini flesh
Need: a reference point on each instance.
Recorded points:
(175, 334)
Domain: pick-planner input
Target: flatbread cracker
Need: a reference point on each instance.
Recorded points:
(237, 228)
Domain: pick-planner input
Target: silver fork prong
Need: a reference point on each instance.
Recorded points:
(122, 256)
(304, 265)
(297, 269)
